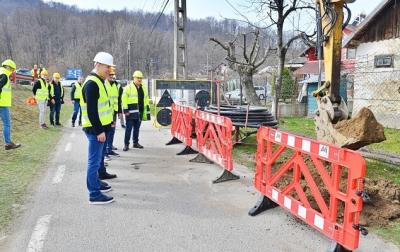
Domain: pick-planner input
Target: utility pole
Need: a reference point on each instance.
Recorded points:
(129, 60)
(180, 48)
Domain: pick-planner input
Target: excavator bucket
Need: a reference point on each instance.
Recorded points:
(359, 131)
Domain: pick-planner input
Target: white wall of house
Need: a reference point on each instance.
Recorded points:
(378, 88)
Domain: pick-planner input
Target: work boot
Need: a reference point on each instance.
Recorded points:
(58, 124)
(138, 146)
(102, 199)
(80, 123)
(113, 153)
(73, 124)
(52, 123)
(126, 148)
(106, 175)
(12, 145)
(44, 126)
(123, 126)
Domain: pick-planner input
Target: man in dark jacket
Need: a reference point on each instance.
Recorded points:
(56, 94)
(97, 119)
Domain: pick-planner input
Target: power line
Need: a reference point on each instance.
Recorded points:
(159, 16)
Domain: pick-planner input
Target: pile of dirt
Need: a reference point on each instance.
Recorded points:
(385, 195)
(385, 202)
(363, 127)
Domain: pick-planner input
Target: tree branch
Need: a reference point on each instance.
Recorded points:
(244, 48)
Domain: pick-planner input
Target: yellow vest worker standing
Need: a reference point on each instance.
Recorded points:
(56, 94)
(97, 117)
(41, 92)
(135, 103)
(76, 92)
(112, 90)
(7, 68)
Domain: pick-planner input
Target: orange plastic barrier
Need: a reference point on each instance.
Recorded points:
(310, 161)
(181, 128)
(182, 123)
(214, 141)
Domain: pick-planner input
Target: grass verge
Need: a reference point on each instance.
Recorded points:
(21, 167)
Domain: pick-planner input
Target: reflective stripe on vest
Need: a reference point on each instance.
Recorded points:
(112, 90)
(5, 95)
(103, 104)
(43, 92)
(130, 96)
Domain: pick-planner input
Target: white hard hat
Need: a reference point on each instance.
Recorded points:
(104, 58)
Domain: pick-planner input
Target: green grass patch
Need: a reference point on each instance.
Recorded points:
(391, 232)
(298, 125)
(20, 168)
(391, 144)
(377, 169)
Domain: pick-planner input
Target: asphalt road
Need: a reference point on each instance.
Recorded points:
(163, 203)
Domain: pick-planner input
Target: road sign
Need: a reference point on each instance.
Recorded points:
(73, 73)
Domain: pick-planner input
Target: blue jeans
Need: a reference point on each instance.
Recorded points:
(135, 125)
(77, 108)
(95, 158)
(103, 169)
(110, 140)
(5, 117)
(55, 110)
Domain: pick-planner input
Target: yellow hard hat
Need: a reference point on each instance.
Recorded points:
(44, 73)
(56, 76)
(10, 63)
(112, 71)
(137, 74)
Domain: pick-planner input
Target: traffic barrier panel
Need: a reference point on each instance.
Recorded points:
(181, 128)
(214, 142)
(310, 171)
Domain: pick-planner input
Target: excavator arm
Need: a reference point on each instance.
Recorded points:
(332, 117)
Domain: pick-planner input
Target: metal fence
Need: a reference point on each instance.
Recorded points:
(377, 89)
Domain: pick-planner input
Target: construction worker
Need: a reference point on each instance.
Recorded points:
(76, 92)
(135, 103)
(97, 117)
(120, 114)
(41, 92)
(41, 68)
(112, 90)
(7, 68)
(35, 72)
(56, 94)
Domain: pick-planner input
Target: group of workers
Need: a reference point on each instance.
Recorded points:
(49, 94)
(100, 101)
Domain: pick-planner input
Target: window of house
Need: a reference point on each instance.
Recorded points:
(384, 61)
(351, 53)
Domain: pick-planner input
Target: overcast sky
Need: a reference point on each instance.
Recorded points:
(196, 8)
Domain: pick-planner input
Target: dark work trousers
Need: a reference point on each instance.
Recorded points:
(110, 140)
(103, 169)
(132, 124)
(77, 108)
(55, 112)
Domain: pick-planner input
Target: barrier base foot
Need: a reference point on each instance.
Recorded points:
(187, 151)
(226, 176)
(200, 158)
(336, 247)
(263, 204)
(174, 140)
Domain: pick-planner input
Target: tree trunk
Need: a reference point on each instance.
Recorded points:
(248, 88)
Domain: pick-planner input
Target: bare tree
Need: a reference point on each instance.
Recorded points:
(247, 65)
(277, 13)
